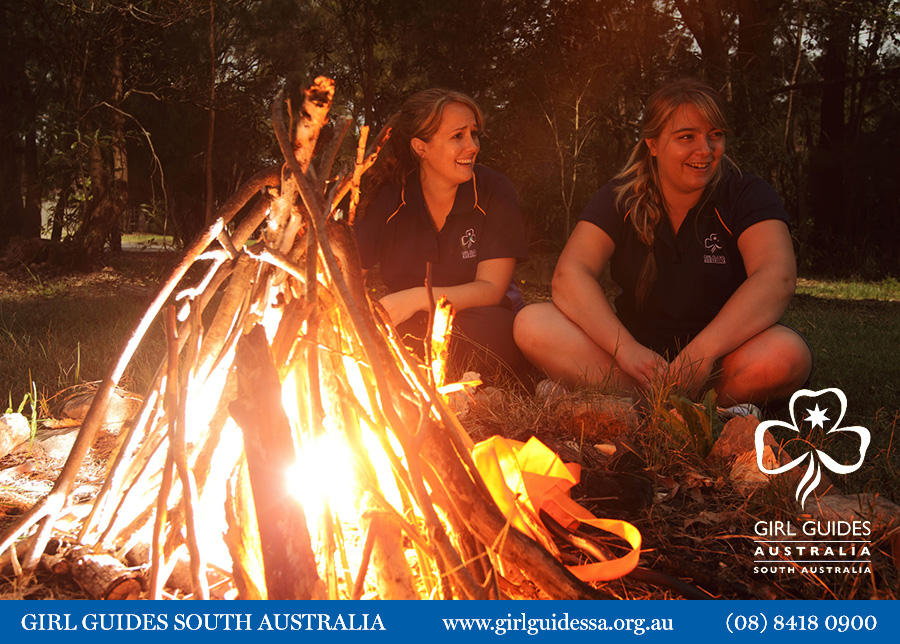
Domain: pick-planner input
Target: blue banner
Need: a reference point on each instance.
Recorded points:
(166, 622)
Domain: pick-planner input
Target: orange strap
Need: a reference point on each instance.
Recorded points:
(525, 478)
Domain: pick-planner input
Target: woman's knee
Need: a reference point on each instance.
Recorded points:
(777, 361)
(531, 326)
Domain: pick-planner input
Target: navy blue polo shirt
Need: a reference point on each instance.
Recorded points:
(697, 270)
(397, 232)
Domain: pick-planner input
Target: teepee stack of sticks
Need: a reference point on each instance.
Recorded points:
(289, 447)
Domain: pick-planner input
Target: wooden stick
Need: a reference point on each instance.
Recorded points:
(290, 564)
(358, 170)
(188, 484)
(242, 537)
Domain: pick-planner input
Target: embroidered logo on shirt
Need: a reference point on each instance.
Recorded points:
(468, 241)
(712, 245)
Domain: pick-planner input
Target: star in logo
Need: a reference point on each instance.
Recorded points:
(817, 458)
(817, 417)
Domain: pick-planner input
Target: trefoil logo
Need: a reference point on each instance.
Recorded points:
(817, 458)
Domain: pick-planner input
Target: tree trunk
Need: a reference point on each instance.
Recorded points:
(827, 171)
(708, 26)
(119, 147)
(11, 203)
(210, 197)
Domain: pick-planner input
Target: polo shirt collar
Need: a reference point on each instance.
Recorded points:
(466, 199)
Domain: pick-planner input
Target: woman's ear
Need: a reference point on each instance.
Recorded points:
(651, 145)
(419, 147)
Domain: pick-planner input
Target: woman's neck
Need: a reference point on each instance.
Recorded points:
(439, 198)
(678, 208)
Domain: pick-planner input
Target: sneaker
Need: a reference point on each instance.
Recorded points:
(746, 409)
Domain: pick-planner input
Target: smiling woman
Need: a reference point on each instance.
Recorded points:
(425, 202)
(703, 255)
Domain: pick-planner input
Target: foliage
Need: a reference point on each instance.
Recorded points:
(111, 105)
(689, 426)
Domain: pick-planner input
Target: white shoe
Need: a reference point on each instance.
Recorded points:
(745, 409)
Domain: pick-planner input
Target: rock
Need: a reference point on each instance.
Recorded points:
(14, 430)
(56, 443)
(605, 448)
(737, 438)
(489, 397)
(736, 448)
(458, 401)
(471, 377)
(745, 472)
(122, 405)
(856, 507)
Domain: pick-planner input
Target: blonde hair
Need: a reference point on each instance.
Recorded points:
(639, 192)
(418, 118)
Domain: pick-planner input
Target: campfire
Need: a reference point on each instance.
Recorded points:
(290, 447)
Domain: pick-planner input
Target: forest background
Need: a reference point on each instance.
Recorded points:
(119, 115)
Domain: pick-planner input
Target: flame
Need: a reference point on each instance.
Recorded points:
(318, 481)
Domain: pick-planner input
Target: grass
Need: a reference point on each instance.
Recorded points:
(854, 329)
(59, 332)
(886, 290)
(149, 240)
(54, 343)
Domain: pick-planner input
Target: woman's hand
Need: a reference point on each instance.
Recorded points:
(691, 371)
(641, 364)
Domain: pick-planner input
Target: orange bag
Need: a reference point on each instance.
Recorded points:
(525, 478)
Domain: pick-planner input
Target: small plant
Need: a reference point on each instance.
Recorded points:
(29, 399)
(691, 426)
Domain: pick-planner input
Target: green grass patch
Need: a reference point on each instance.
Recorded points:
(856, 348)
(51, 342)
(149, 240)
(885, 290)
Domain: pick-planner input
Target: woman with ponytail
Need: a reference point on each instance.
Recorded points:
(427, 201)
(703, 256)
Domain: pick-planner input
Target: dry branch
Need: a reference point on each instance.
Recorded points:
(290, 564)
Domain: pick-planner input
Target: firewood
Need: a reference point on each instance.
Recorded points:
(103, 576)
(387, 559)
(290, 563)
(441, 536)
(242, 537)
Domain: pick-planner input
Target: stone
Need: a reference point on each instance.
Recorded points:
(489, 397)
(14, 430)
(122, 405)
(736, 450)
(458, 402)
(56, 443)
(737, 438)
(745, 473)
(550, 391)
